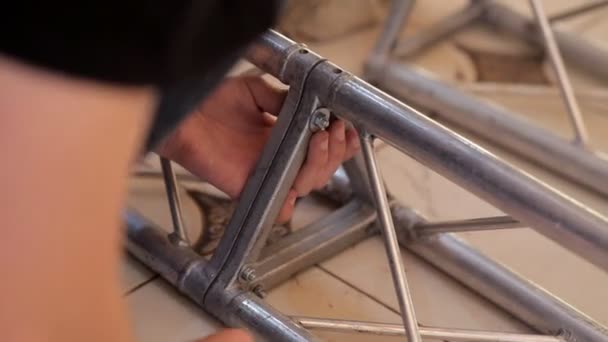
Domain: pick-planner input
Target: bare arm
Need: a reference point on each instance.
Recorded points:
(66, 145)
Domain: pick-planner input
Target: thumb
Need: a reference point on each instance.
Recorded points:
(229, 335)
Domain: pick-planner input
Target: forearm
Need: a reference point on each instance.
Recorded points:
(66, 146)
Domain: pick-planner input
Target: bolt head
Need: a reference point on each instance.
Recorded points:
(320, 119)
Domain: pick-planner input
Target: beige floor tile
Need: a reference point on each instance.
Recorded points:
(315, 293)
(438, 300)
(134, 274)
(160, 314)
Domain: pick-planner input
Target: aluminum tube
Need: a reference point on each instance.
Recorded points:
(574, 112)
(391, 244)
(387, 329)
(487, 223)
(498, 125)
(185, 270)
(445, 27)
(397, 14)
(179, 234)
(516, 193)
(247, 310)
(530, 303)
(577, 51)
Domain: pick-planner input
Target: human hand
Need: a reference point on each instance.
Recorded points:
(223, 139)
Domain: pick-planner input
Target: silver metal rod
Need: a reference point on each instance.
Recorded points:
(391, 242)
(511, 190)
(314, 243)
(576, 118)
(388, 329)
(397, 15)
(571, 12)
(179, 234)
(447, 26)
(188, 273)
(477, 224)
(525, 300)
(490, 121)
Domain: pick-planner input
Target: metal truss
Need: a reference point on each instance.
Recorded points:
(574, 160)
(231, 285)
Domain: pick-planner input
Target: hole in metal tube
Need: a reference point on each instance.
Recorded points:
(303, 51)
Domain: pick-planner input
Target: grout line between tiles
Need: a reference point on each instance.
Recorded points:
(351, 285)
(139, 286)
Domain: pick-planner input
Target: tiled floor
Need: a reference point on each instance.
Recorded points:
(356, 283)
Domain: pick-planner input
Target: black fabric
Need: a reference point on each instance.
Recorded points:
(182, 47)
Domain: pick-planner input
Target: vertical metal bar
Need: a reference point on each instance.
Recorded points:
(179, 235)
(388, 329)
(390, 239)
(581, 136)
(447, 26)
(397, 14)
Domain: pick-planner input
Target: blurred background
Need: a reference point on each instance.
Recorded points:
(492, 66)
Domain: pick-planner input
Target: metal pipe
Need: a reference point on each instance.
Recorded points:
(580, 52)
(393, 251)
(497, 124)
(179, 235)
(571, 12)
(397, 14)
(514, 192)
(525, 300)
(314, 243)
(574, 113)
(477, 224)
(188, 272)
(387, 329)
(445, 27)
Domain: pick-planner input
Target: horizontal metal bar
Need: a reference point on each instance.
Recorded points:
(591, 94)
(313, 244)
(497, 124)
(523, 299)
(476, 224)
(187, 271)
(387, 329)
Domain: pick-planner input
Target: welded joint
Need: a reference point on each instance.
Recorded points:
(406, 220)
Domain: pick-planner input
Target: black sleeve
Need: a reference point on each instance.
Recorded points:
(182, 47)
